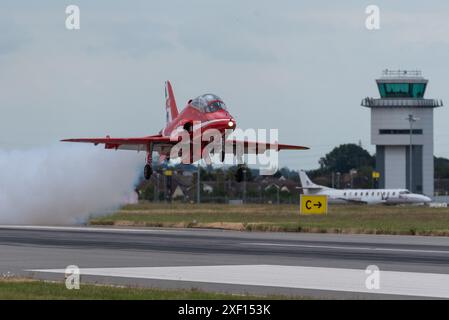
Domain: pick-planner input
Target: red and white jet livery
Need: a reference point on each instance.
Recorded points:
(205, 112)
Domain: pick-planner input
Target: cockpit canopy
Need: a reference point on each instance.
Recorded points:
(208, 103)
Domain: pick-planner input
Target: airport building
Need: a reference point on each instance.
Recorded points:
(402, 130)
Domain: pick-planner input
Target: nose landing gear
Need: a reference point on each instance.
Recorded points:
(147, 171)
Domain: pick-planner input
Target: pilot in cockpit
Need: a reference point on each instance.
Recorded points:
(208, 103)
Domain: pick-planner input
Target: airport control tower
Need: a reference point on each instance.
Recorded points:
(402, 130)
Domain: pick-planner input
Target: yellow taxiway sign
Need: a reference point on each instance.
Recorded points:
(313, 204)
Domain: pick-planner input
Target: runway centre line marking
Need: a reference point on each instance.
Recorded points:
(341, 247)
(298, 277)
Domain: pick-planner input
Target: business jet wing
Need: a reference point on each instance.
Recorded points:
(353, 201)
(311, 187)
(362, 201)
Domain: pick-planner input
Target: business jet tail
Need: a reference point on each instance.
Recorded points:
(307, 185)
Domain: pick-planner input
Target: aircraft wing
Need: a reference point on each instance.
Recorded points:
(353, 201)
(163, 144)
(138, 144)
(261, 147)
(317, 188)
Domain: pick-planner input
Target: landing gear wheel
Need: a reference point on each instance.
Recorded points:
(223, 155)
(147, 172)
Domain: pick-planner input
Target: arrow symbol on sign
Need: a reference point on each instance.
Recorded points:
(317, 204)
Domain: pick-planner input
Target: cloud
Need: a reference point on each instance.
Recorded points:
(128, 36)
(12, 37)
(276, 66)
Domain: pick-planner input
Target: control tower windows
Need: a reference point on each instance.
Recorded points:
(399, 131)
(401, 90)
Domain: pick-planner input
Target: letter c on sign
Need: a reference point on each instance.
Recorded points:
(308, 204)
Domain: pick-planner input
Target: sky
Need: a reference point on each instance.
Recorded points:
(302, 67)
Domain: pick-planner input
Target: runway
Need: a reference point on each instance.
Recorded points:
(317, 265)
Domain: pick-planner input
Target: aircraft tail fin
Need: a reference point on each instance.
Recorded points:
(307, 185)
(170, 102)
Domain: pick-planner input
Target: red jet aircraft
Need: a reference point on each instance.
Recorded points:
(205, 112)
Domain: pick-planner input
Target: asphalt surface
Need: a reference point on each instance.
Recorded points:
(35, 248)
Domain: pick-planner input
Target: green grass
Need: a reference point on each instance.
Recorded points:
(379, 219)
(26, 289)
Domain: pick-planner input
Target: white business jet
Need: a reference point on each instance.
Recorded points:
(362, 196)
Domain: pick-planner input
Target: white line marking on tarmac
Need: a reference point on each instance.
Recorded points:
(341, 247)
(316, 278)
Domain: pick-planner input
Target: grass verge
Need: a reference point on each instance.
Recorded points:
(378, 219)
(29, 289)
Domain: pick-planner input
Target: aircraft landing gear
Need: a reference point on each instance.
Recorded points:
(147, 171)
(222, 156)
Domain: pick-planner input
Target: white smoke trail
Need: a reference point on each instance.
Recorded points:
(64, 184)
